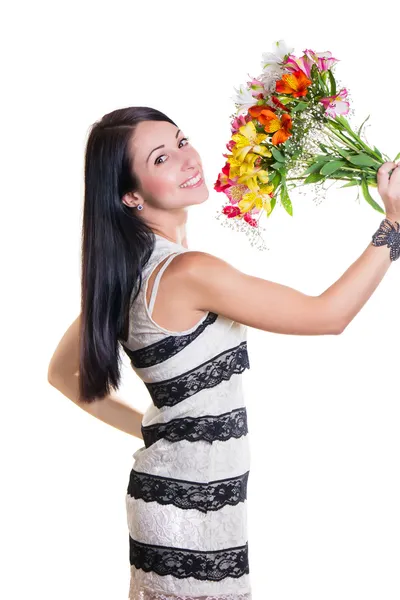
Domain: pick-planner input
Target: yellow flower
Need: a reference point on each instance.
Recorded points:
(247, 173)
(260, 199)
(249, 140)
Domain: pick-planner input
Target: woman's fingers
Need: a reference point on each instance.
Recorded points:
(384, 180)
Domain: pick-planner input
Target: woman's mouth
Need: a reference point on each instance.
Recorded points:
(196, 181)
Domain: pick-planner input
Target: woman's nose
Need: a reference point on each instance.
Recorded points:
(191, 162)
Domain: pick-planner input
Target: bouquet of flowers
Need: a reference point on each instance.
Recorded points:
(290, 130)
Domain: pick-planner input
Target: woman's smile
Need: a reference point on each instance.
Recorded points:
(193, 182)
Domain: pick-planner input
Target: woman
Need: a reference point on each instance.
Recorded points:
(181, 316)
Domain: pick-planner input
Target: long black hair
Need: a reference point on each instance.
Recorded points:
(116, 245)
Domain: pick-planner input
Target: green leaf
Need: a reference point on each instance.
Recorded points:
(320, 80)
(314, 168)
(397, 157)
(285, 99)
(277, 154)
(333, 83)
(350, 184)
(343, 121)
(340, 174)
(331, 167)
(314, 177)
(372, 182)
(321, 158)
(323, 148)
(335, 124)
(277, 166)
(380, 153)
(276, 179)
(285, 200)
(273, 202)
(368, 197)
(343, 153)
(363, 160)
(300, 106)
(365, 120)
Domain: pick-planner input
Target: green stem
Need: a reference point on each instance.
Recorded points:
(337, 179)
(363, 144)
(343, 139)
(370, 170)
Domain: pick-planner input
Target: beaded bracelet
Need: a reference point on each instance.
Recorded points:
(388, 234)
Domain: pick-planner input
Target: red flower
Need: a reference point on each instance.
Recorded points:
(279, 103)
(223, 182)
(225, 169)
(249, 219)
(219, 187)
(231, 211)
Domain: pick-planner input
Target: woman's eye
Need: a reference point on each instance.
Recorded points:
(163, 161)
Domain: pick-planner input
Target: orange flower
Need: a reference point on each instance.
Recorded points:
(256, 110)
(295, 83)
(272, 123)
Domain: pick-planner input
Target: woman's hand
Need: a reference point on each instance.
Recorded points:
(389, 189)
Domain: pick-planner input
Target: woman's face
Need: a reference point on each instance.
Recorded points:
(163, 160)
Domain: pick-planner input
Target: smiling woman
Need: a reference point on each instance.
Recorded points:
(181, 317)
(161, 174)
(186, 496)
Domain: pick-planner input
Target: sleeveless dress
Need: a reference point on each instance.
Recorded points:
(186, 499)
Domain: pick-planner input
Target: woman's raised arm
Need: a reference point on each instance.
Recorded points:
(215, 285)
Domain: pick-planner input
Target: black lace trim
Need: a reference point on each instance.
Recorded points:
(186, 495)
(208, 428)
(167, 347)
(179, 562)
(207, 375)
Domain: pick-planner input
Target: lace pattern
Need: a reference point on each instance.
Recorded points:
(203, 565)
(188, 494)
(155, 353)
(143, 594)
(209, 374)
(208, 428)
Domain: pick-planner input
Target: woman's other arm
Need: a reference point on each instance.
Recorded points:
(63, 375)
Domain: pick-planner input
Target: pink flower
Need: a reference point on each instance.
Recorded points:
(256, 86)
(323, 60)
(239, 122)
(335, 105)
(236, 191)
(303, 63)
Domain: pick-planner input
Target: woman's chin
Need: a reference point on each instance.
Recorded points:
(199, 196)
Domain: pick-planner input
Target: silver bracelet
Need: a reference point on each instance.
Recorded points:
(388, 234)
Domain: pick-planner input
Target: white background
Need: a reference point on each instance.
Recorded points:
(324, 417)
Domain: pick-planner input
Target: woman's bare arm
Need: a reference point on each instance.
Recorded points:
(211, 283)
(63, 375)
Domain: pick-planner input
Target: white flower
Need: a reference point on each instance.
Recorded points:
(272, 65)
(274, 59)
(244, 99)
(269, 78)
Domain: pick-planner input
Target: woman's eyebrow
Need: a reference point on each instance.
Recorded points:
(158, 147)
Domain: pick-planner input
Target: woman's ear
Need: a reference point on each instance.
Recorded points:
(132, 199)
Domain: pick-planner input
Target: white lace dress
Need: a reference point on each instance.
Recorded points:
(187, 494)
